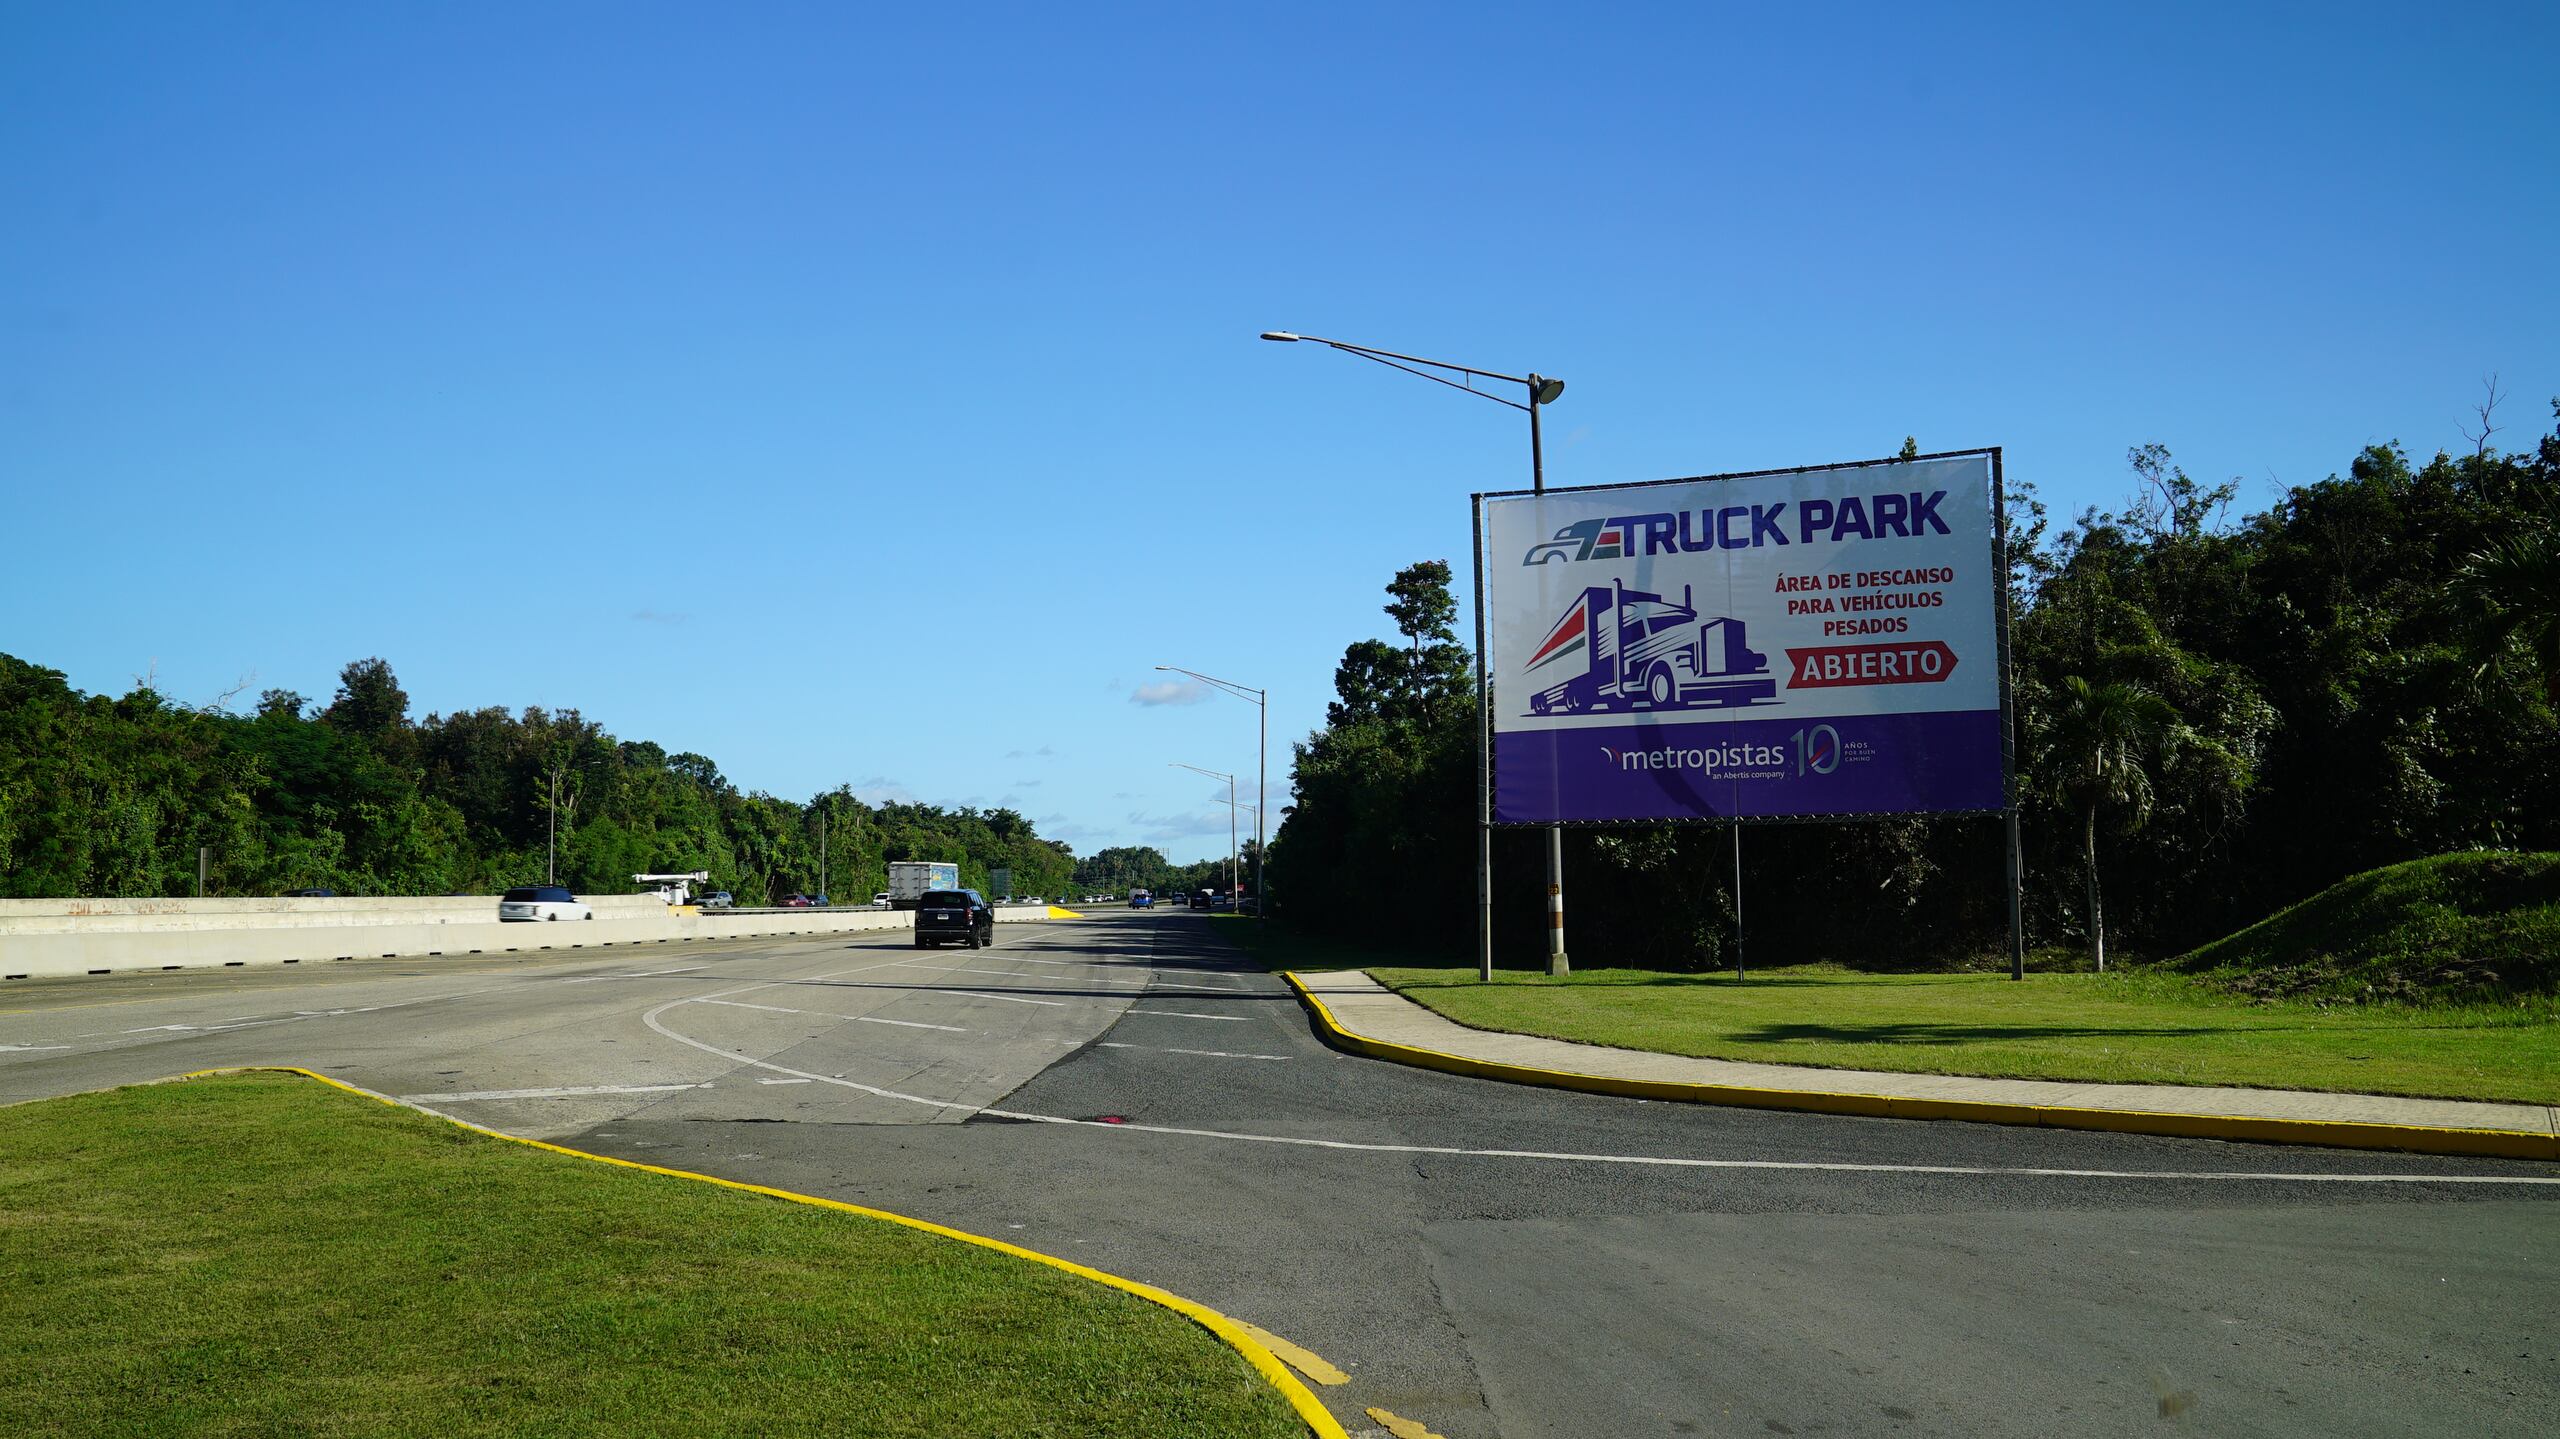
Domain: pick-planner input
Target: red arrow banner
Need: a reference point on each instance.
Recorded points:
(1917, 662)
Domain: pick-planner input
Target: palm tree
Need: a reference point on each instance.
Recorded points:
(2508, 598)
(2103, 735)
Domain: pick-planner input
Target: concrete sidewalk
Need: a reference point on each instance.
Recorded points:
(1364, 1016)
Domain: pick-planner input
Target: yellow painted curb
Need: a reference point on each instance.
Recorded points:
(2341, 1134)
(1057, 913)
(1310, 1410)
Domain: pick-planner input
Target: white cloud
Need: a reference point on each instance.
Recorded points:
(880, 789)
(1174, 828)
(1170, 692)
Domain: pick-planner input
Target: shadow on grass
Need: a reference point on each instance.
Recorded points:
(1948, 1034)
(1647, 979)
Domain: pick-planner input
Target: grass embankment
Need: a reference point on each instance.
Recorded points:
(2457, 926)
(260, 1254)
(2154, 1024)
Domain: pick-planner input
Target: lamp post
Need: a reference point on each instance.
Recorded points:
(1231, 822)
(1542, 391)
(1261, 776)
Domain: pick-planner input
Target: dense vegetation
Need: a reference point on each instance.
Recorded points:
(104, 796)
(1121, 869)
(2228, 714)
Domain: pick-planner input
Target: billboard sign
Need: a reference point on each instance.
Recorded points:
(1806, 643)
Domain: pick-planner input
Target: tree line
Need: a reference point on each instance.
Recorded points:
(108, 796)
(2215, 716)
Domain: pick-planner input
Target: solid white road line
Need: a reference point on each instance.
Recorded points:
(1186, 1014)
(575, 1091)
(1012, 998)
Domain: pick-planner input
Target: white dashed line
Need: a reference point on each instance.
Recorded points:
(1204, 1053)
(1186, 1014)
(823, 1014)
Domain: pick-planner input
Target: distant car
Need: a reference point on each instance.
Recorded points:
(1140, 899)
(880, 900)
(817, 901)
(542, 902)
(794, 901)
(947, 916)
(716, 899)
(311, 894)
(1035, 899)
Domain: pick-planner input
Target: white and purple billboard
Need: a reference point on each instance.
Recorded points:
(1819, 642)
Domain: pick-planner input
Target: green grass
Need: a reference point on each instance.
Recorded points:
(262, 1255)
(2146, 1026)
(2458, 926)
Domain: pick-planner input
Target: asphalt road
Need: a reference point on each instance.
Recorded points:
(1483, 1258)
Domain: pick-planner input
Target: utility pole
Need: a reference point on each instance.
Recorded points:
(1543, 390)
(1261, 778)
(822, 854)
(204, 859)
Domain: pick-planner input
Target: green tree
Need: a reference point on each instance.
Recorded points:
(2104, 737)
(2507, 598)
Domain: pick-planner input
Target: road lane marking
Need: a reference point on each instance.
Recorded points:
(824, 1014)
(781, 1081)
(1186, 1014)
(1305, 1361)
(1139, 988)
(1397, 1424)
(13, 1048)
(1204, 1053)
(1152, 969)
(1013, 998)
(574, 1091)
(651, 1020)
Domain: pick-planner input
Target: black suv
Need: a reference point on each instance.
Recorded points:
(946, 915)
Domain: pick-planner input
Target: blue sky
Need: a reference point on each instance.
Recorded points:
(872, 397)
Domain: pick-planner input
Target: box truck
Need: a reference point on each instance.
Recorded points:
(910, 878)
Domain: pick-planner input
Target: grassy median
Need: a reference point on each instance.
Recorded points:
(261, 1254)
(2143, 1026)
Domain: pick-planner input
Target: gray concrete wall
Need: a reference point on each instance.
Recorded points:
(112, 943)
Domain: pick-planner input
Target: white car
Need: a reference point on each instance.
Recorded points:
(543, 902)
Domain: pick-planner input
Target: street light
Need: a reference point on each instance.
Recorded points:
(1542, 391)
(1231, 821)
(1261, 775)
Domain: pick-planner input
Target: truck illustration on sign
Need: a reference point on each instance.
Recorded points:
(1617, 648)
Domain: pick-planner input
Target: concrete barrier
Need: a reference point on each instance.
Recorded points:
(37, 943)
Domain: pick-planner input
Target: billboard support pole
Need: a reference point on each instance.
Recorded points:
(2017, 902)
(1558, 966)
(1484, 772)
(1737, 899)
(2016, 866)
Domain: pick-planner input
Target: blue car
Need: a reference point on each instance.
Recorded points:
(1140, 899)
